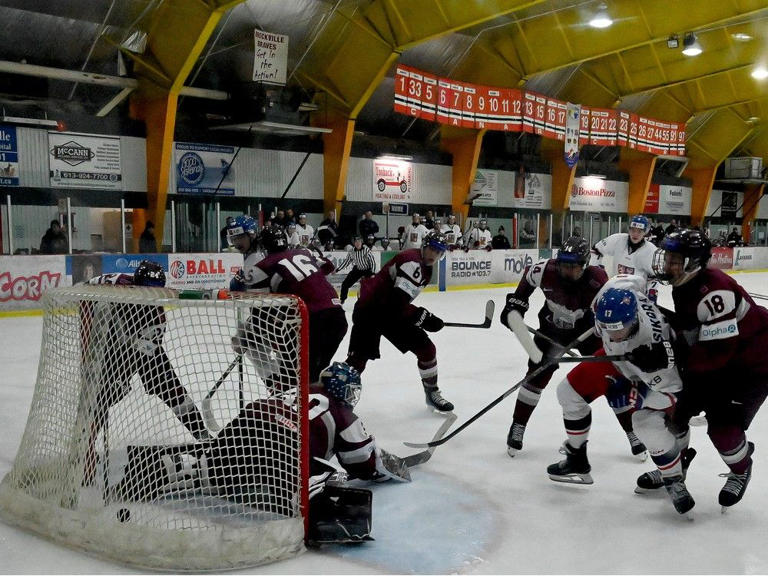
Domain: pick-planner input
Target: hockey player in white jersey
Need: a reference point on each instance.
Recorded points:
(630, 252)
(645, 381)
(452, 232)
(242, 234)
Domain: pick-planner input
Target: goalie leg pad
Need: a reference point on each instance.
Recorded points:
(340, 515)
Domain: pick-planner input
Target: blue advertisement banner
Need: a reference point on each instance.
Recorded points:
(127, 263)
(204, 169)
(9, 156)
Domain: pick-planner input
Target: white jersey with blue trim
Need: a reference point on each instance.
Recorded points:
(638, 261)
(653, 329)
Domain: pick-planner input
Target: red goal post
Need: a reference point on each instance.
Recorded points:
(103, 396)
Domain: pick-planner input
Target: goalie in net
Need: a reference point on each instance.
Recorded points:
(240, 463)
(122, 340)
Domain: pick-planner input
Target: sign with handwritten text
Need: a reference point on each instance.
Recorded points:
(270, 57)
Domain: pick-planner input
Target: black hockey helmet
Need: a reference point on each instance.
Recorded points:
(274, 239)
(149, 273)
(692, 245)
(574, 253)
(370, 240)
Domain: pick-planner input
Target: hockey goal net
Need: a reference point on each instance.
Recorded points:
(118, 456)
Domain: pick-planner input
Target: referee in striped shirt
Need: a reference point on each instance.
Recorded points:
(363, 264)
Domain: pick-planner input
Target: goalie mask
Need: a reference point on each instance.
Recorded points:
(149, 273)
(342, 382)
(681, 256)
(616, 314)
(572, 258)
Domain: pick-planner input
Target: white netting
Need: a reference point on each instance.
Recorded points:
(117, 458)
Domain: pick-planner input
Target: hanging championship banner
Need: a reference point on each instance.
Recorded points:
(572, 127)
(603, 126)
(554, 123)
(584, 126)
(468, 106)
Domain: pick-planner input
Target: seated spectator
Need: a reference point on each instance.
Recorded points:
(500, 241)
(429, 221)
(147, 242)
(54, 241)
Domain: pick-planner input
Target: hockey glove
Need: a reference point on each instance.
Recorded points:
(653, 357)
(489, 248)
(428, 321)
(237, 284)
(390, 467)
(513, 303)
(618, 392)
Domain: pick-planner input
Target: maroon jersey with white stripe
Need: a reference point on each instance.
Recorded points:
(296, 272)
(721, 322)
(567, 307)
(334, 429)
(393, 288)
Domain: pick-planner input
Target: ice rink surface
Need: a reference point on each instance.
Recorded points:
(473, 509)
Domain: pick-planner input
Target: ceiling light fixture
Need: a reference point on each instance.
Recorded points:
(741, 37)
(673, 41)
(691, 46)
(760, 73)
(601, 19)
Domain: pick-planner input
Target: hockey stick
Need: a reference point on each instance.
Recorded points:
(550, 340)
(208, 417)
(515, 321)
(551, 360)
(573, 357)
(489, 308)
(758, 296)
(423, 456)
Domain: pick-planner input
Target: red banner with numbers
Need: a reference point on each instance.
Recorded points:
(422, 95)
(554, 120)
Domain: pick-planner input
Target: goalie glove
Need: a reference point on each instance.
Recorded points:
(428, 321)
(513, 303)
(390, 467)
(653, 357)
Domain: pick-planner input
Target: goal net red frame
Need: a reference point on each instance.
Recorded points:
(115, 458)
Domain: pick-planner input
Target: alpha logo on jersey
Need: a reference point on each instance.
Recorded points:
(719, 331)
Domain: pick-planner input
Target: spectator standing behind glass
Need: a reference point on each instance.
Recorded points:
(413, 234)
(734, 238)
(328, 230)
(368, 225)
(223, 234)
(54, 241)
(429, 220)
(500, 241)
(147, 242)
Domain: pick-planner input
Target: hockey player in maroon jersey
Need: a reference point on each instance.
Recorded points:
(569, 286)
(725, 365)
(120, 340)
(302, 274)
(253, 460)
(384, 308)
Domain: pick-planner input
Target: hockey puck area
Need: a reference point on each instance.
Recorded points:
(409, 537)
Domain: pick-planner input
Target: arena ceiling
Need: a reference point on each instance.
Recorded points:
(342, 56)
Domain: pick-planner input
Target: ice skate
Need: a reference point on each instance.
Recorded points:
(681, 498)
(736, 485)
(515, 439)
(436, 402)
(574, 469)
